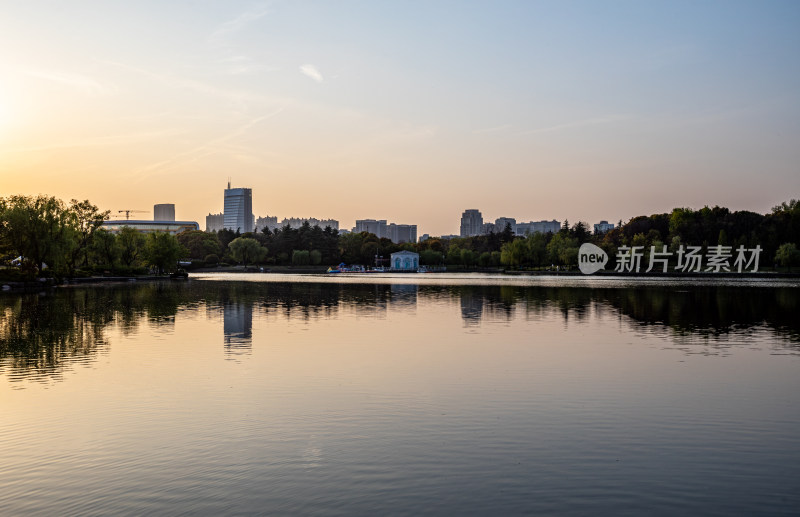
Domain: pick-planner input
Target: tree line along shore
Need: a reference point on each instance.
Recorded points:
(45, 237)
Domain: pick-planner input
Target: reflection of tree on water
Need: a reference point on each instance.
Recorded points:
(702, 311)
(712, 311)
(40, 335)
(237, 327)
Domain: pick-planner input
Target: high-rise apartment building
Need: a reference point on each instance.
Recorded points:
(471, 223)
(297, 222)
(164, 212)
(501, 222)
(397, 233)
(272, 223)
(267, 221)
(215, 222)
(538, 227)
(238, 213)
(375, 227)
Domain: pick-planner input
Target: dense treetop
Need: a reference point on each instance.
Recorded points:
(44, 236)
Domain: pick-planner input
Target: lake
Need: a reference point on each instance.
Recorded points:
(246, 394)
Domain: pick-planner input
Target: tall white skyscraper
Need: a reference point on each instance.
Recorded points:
(238, 213)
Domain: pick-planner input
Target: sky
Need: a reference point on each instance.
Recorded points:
(410, 111)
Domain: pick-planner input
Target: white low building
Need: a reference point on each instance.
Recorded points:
(173, 227)
(404, 261)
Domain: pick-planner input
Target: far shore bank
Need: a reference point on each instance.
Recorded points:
(43, 284)
(304, 270)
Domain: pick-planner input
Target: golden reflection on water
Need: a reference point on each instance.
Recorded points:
(294, 397)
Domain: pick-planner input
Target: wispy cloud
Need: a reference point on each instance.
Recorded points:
(240, 65)
(576, 124)
(98, 141)
(82, 83)
(205, 88)
(312, 72)
(209, 148)
(238, 23)
(491, 129)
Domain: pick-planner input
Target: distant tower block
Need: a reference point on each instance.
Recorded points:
(164, 212)
(238, 209)
(471, 223)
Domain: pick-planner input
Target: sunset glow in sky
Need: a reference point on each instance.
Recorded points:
(409, 111)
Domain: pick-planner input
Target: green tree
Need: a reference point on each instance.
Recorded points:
(791, 206)
(163, 251)
(300, 257)
(514, 253)
(563, 249)
(788, 255)
(315, 256)
(580, 231)
(639, 240)
(131, 243)
(675, 244)
(454, 254)
(105, 248)
(200, 244)
(82, 220)
(350, 246)
(369, 250)
(537, 248)
(36, 229)
(507, 234)
(225, 236)
(430, 257)
(247, 250)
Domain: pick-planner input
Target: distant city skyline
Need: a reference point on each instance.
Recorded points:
(471, 221)
(408, 111)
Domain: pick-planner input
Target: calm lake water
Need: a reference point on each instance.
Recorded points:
(402, 395)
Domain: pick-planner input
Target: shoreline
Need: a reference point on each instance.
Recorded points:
(44, 284)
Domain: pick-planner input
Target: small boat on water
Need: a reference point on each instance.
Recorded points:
(342, 268)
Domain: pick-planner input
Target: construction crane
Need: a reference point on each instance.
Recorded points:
(129, 212)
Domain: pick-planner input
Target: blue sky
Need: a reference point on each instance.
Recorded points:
(408, 111)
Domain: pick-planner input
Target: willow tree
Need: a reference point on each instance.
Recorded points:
(247, 250)
(82, 221)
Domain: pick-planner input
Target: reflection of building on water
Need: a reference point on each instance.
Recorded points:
(405, 295)
(471, 307)
(237, 327)
(498, 312)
